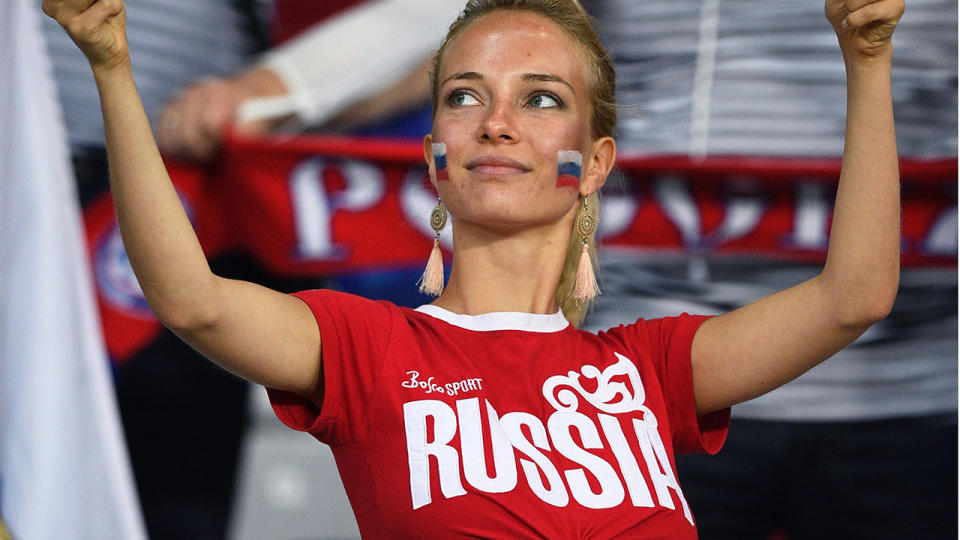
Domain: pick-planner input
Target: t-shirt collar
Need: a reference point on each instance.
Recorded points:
(500, 320)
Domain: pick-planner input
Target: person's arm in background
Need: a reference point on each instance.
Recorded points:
(405, 94)
(752, 350)
(368, 62)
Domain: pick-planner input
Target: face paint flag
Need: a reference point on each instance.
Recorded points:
(440, 160)
(568, 168)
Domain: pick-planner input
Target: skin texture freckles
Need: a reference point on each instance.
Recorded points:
(513, 93)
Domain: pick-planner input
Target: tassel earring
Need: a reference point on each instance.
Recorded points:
(585, 287)
(431, 282)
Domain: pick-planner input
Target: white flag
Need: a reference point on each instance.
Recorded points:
(64, 470)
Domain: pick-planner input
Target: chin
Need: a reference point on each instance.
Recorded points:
(501, 218)
(505, 203)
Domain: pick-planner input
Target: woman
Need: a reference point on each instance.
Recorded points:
(486, 413)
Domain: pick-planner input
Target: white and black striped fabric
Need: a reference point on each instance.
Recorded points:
(172, 44)
(737, 77)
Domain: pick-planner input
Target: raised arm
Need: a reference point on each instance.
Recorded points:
(754, 349)
(262, 335)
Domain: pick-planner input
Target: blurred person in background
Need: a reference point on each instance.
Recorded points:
(364, 71)
(865, 444)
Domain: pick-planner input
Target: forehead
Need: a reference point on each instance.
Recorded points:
(506, 42)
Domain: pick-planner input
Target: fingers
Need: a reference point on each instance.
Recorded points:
(98, 27)
(177, 130)
(191, 106)
(192, 125)
(64, 10)
(81, 14)
(85, 24)
(853, 5)
(863, 12)
(105, 9)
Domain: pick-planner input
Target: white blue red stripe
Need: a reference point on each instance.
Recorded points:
(568, 168)
(440, 160)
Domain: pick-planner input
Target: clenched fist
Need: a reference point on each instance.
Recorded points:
(98, 27)
(864, 27)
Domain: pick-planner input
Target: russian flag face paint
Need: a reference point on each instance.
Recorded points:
(568, 168)
(440, 160)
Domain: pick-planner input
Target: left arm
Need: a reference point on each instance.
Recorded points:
(754, 349)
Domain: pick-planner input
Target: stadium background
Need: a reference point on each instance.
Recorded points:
(730, 131)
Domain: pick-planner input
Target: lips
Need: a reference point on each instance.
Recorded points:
(496, 166)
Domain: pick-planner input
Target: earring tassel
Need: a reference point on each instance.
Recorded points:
(585, 287)
(431, 282)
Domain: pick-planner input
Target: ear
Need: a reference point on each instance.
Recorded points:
(603, 154)
(428, 157)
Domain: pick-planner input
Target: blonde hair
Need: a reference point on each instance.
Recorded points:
(601, 85)
(571, 17)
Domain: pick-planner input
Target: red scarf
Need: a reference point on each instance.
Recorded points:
(313, 206)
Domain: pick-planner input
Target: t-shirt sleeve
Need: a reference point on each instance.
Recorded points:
(354, 333)
(668, 343)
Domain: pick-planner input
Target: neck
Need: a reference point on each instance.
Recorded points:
(506, 271)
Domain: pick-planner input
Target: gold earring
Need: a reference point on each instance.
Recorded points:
(585, 287)
(431, 282)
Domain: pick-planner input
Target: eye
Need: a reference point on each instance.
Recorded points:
(545, 100)
(461, 98)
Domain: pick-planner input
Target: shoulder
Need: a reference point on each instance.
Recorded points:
(331, 300)
(656, 331)
(376, 316)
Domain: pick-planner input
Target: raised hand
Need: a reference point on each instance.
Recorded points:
(864, 27)
(97, 27)
(192, 125)
(263, 335)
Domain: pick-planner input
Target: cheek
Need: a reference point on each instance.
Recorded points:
(450, 139)
(562, 150)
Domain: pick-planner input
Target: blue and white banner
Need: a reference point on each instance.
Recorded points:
(64, 469)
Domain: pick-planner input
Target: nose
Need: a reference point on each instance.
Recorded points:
(499, 125)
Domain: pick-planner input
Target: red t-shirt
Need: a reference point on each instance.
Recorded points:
(504, 425)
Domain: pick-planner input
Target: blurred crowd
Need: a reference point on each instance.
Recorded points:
(872, 432)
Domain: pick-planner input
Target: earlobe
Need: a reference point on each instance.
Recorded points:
(602, 157)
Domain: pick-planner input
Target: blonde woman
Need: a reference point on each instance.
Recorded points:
(487, 413)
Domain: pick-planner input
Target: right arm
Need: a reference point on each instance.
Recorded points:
(259, 334)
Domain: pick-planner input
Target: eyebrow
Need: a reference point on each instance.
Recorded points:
(463, 76)
(541, 77)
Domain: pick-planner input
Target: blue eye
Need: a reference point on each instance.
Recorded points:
(461, 98)
(545, 101)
